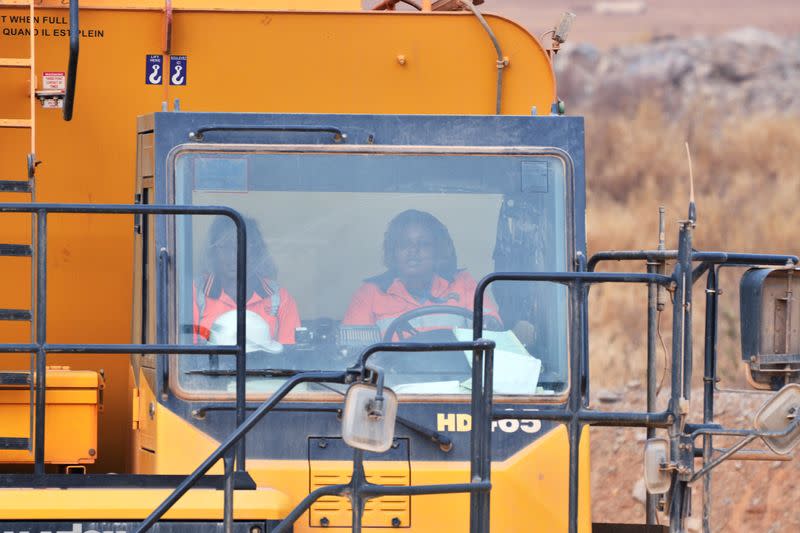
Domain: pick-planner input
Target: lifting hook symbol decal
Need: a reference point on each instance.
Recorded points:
(155, 77)
(177, 70)
(177, 79)
(153, 69)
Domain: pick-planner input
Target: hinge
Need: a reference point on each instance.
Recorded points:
(135, 411)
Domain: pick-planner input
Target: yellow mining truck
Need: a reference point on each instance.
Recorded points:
(396, 193)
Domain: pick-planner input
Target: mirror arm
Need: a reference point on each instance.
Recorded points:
(375, 407)
(750, 437)
(716, 462)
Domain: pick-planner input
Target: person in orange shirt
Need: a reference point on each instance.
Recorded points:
(422, 271)
(215, 291)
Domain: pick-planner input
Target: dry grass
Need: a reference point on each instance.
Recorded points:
(747, 182)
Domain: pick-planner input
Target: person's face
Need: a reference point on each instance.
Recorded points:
(415, 254)
(223, 254)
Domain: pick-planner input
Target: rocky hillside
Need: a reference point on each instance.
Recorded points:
(743, 71)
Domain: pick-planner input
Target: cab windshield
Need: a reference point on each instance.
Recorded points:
(347, 248)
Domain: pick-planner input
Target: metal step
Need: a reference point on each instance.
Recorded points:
(14, 443)
(15, 378)
(15, 123)
(15, 62)
(15, 314)
(15, 186)
(16, 250)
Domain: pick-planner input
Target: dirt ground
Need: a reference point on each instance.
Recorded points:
(748, 496)
(661, 18)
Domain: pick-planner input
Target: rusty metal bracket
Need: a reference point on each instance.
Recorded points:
(167, 27)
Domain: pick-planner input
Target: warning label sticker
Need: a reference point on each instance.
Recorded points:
(52, 103)
(54, 81)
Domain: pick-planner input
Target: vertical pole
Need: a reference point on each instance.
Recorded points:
(709, 381)
(41, 325)
(241, 336)
(682, 363)
(574, 401)
(687, 324)
(585, 383)
(227, 517)
(485, 432)
(476, 514)
(652, 297)
(356, 499)
(687, 307)
(656, 301)
(475, 441)
(32, 52)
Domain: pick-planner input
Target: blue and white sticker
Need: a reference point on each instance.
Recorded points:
(177, 70)
(154, 66)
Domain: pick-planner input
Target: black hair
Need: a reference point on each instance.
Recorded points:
(445, 262)
(260, 265)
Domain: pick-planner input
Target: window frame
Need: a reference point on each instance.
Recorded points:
(517, 151)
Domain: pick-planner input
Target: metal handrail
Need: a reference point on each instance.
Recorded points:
(573, 414)
(359, 490)
(41, 347)
(232, 440)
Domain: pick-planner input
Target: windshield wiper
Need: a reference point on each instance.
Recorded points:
(263, 372)
(444, 442)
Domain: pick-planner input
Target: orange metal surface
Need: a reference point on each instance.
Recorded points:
(71, 416)
(253, 61)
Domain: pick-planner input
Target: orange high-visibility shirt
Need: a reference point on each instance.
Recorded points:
(281, 326)
(372, 305)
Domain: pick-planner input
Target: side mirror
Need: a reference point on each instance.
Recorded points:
(657, 476)
(369, 417)
(780, 414)
(770, 326)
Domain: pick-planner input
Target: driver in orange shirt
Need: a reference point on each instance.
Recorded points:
(422, 271)
(215, 292)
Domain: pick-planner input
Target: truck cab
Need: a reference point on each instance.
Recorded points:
(338, 210)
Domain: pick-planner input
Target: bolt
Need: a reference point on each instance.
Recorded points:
(395, 444)
(395, 522)
(322, 444)
(255, 529)
(324, 522)
(401, 59)
(92, 452)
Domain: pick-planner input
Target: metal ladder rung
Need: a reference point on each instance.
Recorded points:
(16, 250)
(15, 378)
(15, 314)
(15, 186)
(15, 62)
(15, 443)
(15, 123)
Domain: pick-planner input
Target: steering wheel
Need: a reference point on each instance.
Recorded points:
(402, 324)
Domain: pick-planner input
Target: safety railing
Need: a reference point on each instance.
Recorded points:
(231, 451)
(41, 348)
(359, 490)
(574, 413)
(708, 262)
